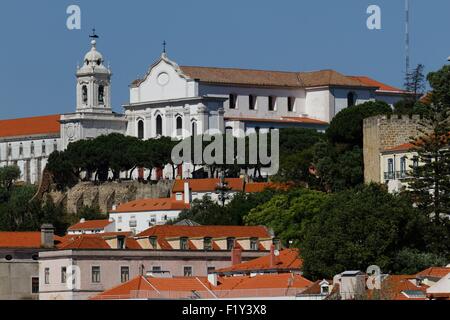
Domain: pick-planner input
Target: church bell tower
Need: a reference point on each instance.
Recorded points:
(94, 82)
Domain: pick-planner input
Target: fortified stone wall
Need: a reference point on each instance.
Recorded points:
(384, 132)
(108, 194)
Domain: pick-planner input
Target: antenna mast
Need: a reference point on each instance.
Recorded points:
(407, 36)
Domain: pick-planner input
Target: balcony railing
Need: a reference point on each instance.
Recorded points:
(397, 175)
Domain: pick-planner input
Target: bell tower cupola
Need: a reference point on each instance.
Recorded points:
(93, 82)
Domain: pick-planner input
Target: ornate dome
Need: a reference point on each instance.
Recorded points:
(93, 61)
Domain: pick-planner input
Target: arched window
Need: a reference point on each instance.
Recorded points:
(141, 129)
(179, 126)
(351, 99)
(101, 94)
(194, 128)
(32, 148)
(159, 130)
(85, 94)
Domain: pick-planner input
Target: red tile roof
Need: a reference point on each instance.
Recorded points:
(20, 240)
(287, 261)
(304, 120)
(402, 147)
(96, 241)
(90, 225)
(34, 126)
(174, 231)
(179, 288)
(235, 76)
(208, 185)
(374, 83)
(434, 272)
(163, 204)
(394, 287)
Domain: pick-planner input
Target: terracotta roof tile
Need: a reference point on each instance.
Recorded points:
(374, 83)
(188, 285)
(270, 78)
(288, 260)
(208, 185)
(34, 126)
(160, 204)
(21, 240)
(402, 147)
(174, 231)
(436, 272)
(90, 225)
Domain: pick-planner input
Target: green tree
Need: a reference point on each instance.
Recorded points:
(347, 126)
(358, 228)
(287, 213)
(8, 175)
(430, 183)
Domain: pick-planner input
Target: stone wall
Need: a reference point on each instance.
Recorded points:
(384, 132)
(108, 194)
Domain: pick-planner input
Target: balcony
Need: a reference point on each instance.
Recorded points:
(397, 175)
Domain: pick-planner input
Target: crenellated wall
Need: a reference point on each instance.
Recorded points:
(384, 132)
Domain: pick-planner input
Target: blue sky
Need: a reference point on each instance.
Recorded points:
(38, 54)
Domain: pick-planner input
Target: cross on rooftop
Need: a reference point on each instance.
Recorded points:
(94, 35)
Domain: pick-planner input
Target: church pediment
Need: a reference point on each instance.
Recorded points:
(164, 80)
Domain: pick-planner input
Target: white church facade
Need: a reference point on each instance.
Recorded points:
(178, 101)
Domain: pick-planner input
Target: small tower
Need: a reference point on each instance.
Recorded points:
(94, 82)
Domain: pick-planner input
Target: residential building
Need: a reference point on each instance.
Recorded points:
(92, 227)
(139, 215)
(104, 260)
(19, 268)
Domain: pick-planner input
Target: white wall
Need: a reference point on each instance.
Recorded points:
(144, 220)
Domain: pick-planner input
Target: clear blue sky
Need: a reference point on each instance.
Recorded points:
(38, 55)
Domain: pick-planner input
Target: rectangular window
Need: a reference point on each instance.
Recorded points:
(124, 274)
(207, 244)
(187, 271)
(252, 102)
(43, 148)
(233, 101)
(153, 242)
(272, 101)
(210, 270)
(47, 275)
(291, 104)
(184, 244)
(63, 274)
(254, 244)
(230, 243)
(95, 274)
(156, 269)
(35, 285)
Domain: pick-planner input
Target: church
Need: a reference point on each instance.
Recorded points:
(180, 101)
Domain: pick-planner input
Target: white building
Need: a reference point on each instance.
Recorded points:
(92, 227)
(137, 216)
(178, 101)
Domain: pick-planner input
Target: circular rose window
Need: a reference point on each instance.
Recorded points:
(163, 79)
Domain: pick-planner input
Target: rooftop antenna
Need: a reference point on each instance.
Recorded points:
(407, 56)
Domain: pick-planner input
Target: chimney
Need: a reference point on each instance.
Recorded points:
(274, 259)
(47, 236)
(187, 192)
(83, 220)
(213, 279)
(236, 256)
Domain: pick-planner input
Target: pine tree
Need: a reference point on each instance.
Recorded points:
(430, 184)
(415, 82)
